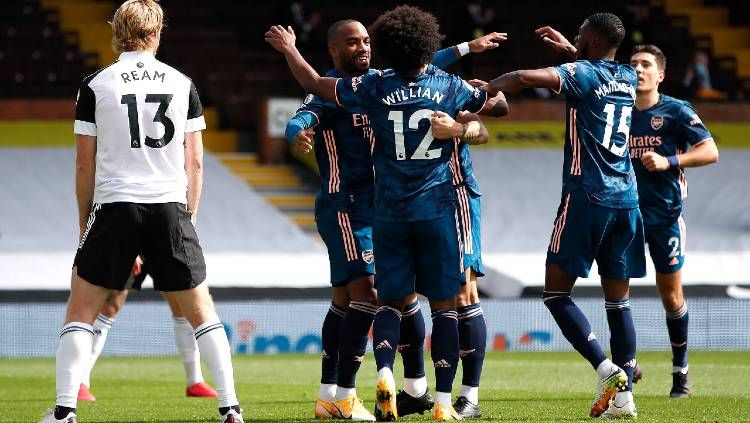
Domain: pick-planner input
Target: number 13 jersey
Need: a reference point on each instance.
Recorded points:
(413, 179)
(600, 96)
(139, 110)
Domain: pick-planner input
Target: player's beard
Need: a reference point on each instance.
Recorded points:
(351, 67)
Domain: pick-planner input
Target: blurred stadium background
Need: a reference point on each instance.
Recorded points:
(256, 222)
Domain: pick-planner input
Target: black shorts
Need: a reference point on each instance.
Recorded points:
(117, 232)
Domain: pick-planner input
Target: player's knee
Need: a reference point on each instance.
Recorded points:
(672, 301)
(362, 290)
(463, 299)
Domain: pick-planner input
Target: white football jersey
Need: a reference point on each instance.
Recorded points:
(139, 110)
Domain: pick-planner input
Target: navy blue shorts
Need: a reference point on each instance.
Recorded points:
(666, 245)
(469, 215)
(345, 225)
(585, 232)
(422, 256)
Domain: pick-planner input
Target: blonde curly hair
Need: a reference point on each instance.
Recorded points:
(133, 23)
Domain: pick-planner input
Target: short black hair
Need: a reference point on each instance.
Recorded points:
(609, 27)
(335, 27)
(406, 38)
(661, 59)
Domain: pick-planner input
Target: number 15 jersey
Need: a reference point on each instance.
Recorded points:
(599, 97)
(139, 110)
(413, 180)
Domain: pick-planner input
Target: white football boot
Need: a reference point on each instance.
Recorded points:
(623, 407)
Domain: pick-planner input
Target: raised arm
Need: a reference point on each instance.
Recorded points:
(448, 56)
(283, 39)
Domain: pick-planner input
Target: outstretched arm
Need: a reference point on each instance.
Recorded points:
(283, 39)
(520, 79)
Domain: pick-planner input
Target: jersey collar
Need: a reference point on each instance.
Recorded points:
(131, 55)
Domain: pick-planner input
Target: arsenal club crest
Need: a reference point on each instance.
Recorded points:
(657, 122)
(368, 256)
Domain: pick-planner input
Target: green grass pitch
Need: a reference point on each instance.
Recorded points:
(516, 387)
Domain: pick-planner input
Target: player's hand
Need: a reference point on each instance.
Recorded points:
(303, 142)
(137, 266)
(655, 162)
(478, 83)
(280, 38)
(487, 42)
(556, 40)
(445, 127)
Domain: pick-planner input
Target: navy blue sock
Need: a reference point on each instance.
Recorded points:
(411, 344)
(472, 336)
(445, 348)
(330, 336)
(622, 340)
(353, 341)
(574, 326)
(677, 325)
(386, 328)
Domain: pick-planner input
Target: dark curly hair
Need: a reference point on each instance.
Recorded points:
(405, 38)
(609, 27)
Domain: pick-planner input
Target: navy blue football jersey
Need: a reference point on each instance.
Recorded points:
(343, 144)
(413, 180)
(668, 128)
(600, 96)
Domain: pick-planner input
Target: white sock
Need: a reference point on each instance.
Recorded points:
(101, 326)
(416, 387)
(327, 392)
(678, 369)
(605, 368)
(385, 372)
(342, 393)
(443, 398)
(471, 393)
(72, 359)
(214, 348)
(188, 348)
(623, 397)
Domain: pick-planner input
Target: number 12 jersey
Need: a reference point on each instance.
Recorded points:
(413, 181)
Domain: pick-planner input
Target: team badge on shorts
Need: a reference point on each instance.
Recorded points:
(368, 257)
(674, 261)
(657, 122)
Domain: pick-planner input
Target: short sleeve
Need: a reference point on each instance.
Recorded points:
(195, 120)
(355, 92)
(85, 123)
(691, 126)
(470, 98)
(312, 111)
(570, 79)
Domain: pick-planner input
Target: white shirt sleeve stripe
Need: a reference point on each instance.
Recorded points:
(195, 124)
(84, 128)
